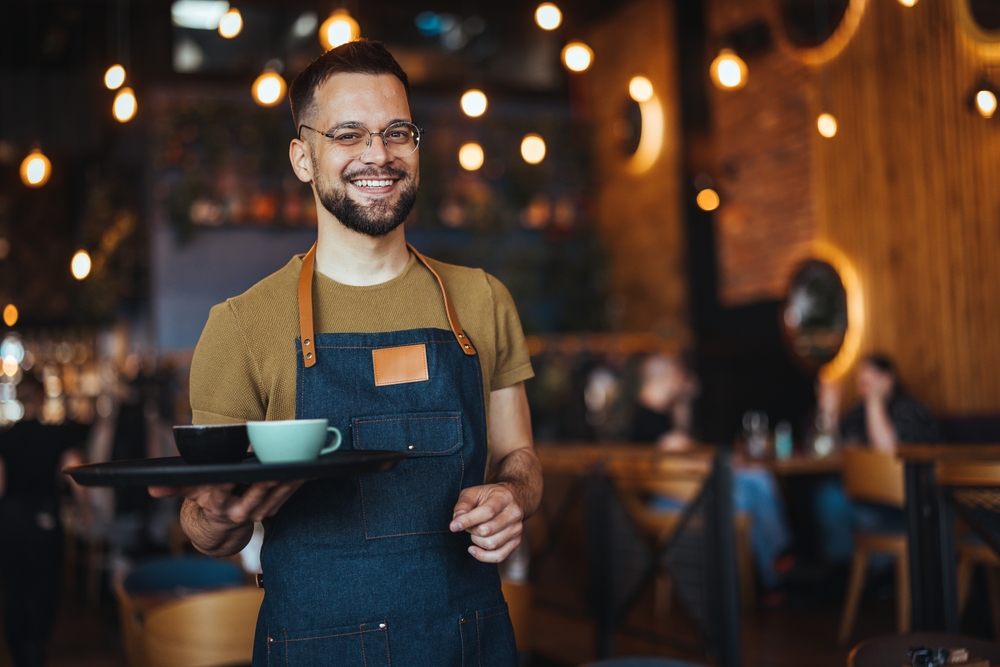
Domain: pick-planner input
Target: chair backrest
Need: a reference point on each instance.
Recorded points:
(968, 473)
(186, 573)
(203, 630)
(873, 477)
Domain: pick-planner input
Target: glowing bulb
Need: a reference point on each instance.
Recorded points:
(114, 77)
(339, 28)
(827, 125)
(707, 199)
(533, 149)
(471, 156)
(986, 103)
(80, 265)
(548, 16)
(640, 89)
(474, 103)
(728, 71)
(10, 315)
(577, 57)
(35, 169)
(907, 3)
(125, 105)
(231, 23)
(268, 89)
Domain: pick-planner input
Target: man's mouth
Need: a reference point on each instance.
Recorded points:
(374, 184)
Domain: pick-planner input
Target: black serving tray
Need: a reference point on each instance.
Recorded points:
(173, 471)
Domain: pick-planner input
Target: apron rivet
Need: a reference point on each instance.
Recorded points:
(309, 355)
(466, 346)
(307, 342)
(410, 447)
(381, 626)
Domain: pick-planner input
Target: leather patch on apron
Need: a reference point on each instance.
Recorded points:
(399, 365)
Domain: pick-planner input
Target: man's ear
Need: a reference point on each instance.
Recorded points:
(300, 155)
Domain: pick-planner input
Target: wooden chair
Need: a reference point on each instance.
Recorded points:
(875, 478)
(519, 602)
(679, 478)
(203, 630)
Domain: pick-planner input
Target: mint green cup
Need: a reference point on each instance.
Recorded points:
(291, 440)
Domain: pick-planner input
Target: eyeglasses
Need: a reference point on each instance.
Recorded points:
(351, 141)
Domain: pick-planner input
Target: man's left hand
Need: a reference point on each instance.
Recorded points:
(492, 515)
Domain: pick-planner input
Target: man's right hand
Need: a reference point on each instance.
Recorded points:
(220, 523)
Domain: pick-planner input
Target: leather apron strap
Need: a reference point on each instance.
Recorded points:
(306, 308)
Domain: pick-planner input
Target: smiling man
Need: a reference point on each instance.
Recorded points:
(399, 352)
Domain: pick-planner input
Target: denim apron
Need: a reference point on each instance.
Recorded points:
(364, 570)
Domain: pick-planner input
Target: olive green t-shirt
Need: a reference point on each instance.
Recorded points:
(244, 366)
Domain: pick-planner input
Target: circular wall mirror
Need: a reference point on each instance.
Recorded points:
(986, 13)
(809, 23)
(628, 128)
(814, 318)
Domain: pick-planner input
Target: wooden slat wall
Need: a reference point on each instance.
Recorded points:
(909, 189)
(640, 216)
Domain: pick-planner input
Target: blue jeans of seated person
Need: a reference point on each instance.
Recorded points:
(756, 493)
(838, 518)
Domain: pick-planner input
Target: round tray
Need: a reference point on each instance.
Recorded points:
(172, 471)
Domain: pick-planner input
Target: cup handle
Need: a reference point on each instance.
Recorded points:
(333, 446)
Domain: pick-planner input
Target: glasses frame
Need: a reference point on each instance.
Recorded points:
(356, 126)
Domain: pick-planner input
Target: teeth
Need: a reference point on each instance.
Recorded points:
(367, 183)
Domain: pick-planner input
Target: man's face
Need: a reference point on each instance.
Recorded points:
(374, 193)
(873, 382)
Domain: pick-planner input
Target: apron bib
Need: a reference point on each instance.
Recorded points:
(364, 570)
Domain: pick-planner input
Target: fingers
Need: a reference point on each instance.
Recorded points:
(496, 556)
(498, 540)
(164, 491)
(490, 501)
(259, 501)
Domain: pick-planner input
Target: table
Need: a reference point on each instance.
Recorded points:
(930, 525)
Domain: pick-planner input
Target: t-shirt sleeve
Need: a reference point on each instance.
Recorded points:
(226, 386)
(513, 363)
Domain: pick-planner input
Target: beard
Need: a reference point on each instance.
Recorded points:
(380, 217)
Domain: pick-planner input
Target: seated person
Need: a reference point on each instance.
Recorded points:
(663, 415)
(885, 417)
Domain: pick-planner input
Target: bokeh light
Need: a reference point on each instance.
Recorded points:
(10, 315)
(728, 71)
(231, 23)
(986, 103)
(707, 199)
(548, 16)
(533, 149)
(827, 125)
(577, 57)
(80, 264)
(339, 28)
(471, 156)
(35, 169)
(474, 103)
(640, 89)
(114, 77)
(268, 89)
(125, 105)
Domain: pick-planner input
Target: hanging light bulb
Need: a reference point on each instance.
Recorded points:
(826, 123)
(231, 23)
(10, 315)
(640, 89)
(268, 89)
(35, 169)
(533, 148)
(80, 264)
(471, 156)
(114, 77)
(339, 28)
(986, 103)
(474, 103)
(728, 71)
(577, 56)
(125, 105)
(548, 16)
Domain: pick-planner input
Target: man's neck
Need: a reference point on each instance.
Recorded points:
(351, 258)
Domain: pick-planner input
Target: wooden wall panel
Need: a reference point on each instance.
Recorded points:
(639, 215)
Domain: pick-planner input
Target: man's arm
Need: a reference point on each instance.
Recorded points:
(494, 512)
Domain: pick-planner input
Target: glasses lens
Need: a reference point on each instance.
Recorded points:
(351, 141)
(401, 139)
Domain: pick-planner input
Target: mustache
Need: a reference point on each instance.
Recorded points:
(375, 174)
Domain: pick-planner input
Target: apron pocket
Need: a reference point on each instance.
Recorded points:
(363, 644)
(488, 638)
(419, 494)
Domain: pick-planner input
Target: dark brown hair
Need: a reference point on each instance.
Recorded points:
(362, 56)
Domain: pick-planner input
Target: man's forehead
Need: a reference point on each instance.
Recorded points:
(351, 96)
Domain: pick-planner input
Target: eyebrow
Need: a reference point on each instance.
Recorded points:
(358, 123)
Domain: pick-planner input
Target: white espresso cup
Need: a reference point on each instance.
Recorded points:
(291, 440)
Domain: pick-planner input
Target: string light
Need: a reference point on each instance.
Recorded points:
(339, 28)
(986, 103)
(268, 89)
(471, 156)
(474, 103)
(728, 71)
(125, 105)
(231, 23)
(640, 89)
(533, 148)
(10, 315)
(548, 16)
(827, 125)
(80, 264)
(707, 199)
(114, 77)
(35, 169)
(577, 57)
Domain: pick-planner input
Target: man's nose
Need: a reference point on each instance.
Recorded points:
(377, 153)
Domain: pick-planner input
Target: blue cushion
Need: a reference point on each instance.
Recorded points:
(167, 574)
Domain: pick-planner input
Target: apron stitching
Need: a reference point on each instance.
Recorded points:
(285, 633)
(388, 656)
(419, 532)
(340, 634)
(364, 513)
(479, 642)
(381, 347)
(364, 658)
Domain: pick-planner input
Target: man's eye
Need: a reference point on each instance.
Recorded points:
(347, 137)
